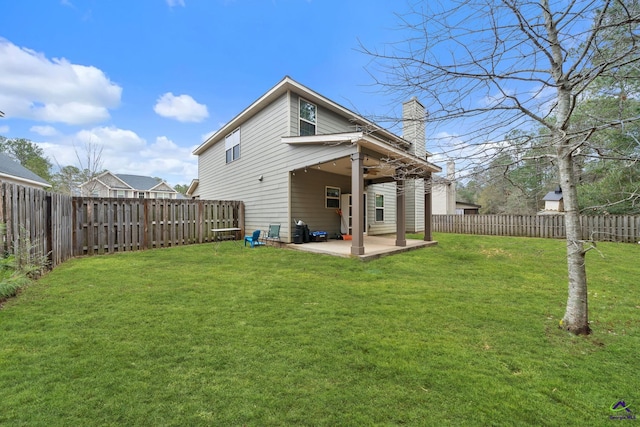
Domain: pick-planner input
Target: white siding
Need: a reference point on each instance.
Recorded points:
(261, 154)
(414, 211)
(388, 226)
(443, 199)
(327, 121)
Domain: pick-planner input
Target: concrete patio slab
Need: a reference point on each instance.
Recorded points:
(374, 247)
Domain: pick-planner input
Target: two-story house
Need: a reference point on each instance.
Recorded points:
(294, 154)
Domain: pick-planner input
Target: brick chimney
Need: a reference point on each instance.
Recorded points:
(413, 126)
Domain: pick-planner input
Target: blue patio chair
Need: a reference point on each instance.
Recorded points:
(254, 239)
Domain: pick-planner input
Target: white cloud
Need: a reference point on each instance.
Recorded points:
(44, 130)
(53, 90)
(112, 139)
(182, 108)
(123, 151)
(4, 129)
(173, 3)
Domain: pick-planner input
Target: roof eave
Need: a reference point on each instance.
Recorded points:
(25, 180)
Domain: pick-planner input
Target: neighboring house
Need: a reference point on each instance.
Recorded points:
(553, 203)
(193, 192)
(464, 208)
(444, 192)
(13, 172)
(295, 155)
(109, 184)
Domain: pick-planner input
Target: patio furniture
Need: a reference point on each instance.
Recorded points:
(273, 234)
(318, 236)
(221, 234)
(254, 239)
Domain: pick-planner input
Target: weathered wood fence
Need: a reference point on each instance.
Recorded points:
(613, 228)
(63, 226)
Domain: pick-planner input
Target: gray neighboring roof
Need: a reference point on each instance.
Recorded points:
(8, 166)
(139, 182)
(553, 196)
(467, 205)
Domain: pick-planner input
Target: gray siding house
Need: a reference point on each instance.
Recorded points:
(109, 184)
(295, 155)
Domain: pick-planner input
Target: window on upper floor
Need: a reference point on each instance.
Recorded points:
(307, 118)
(232, 146)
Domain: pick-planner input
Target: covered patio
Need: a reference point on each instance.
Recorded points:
(377, 246)
(365, 160)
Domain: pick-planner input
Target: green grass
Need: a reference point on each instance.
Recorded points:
(464, 333)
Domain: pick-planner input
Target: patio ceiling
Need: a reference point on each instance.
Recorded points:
(374, 169)
(381, 159)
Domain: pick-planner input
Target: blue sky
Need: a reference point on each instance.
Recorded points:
(149, 79)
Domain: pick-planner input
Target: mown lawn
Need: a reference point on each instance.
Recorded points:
(465, 333)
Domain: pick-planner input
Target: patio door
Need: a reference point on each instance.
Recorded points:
(346, 205)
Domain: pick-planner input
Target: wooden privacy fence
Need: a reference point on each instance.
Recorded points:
(63, 226)
(612, 228)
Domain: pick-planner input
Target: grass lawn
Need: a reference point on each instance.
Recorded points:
(464, 333)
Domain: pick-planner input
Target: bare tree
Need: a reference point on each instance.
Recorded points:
(495, 66)
(89, 165)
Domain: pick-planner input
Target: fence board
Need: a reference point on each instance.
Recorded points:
(614, 228)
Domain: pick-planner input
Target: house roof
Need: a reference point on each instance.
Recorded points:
(133, 182)
(193, 186)
(462, 205)
(12, 169)
(288, 84)
(553, 196)
(139, 182)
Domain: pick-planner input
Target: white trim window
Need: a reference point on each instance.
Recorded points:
(332, 197)
(232, 146)
(121, 193)
(307, 118)
(379, 207)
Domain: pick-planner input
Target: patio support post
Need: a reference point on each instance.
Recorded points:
(427, 210)
(401, 220)
(357, 188)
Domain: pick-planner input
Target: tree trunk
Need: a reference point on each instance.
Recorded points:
(576, 316)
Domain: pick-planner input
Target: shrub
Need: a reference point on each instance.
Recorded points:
(20, 268)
